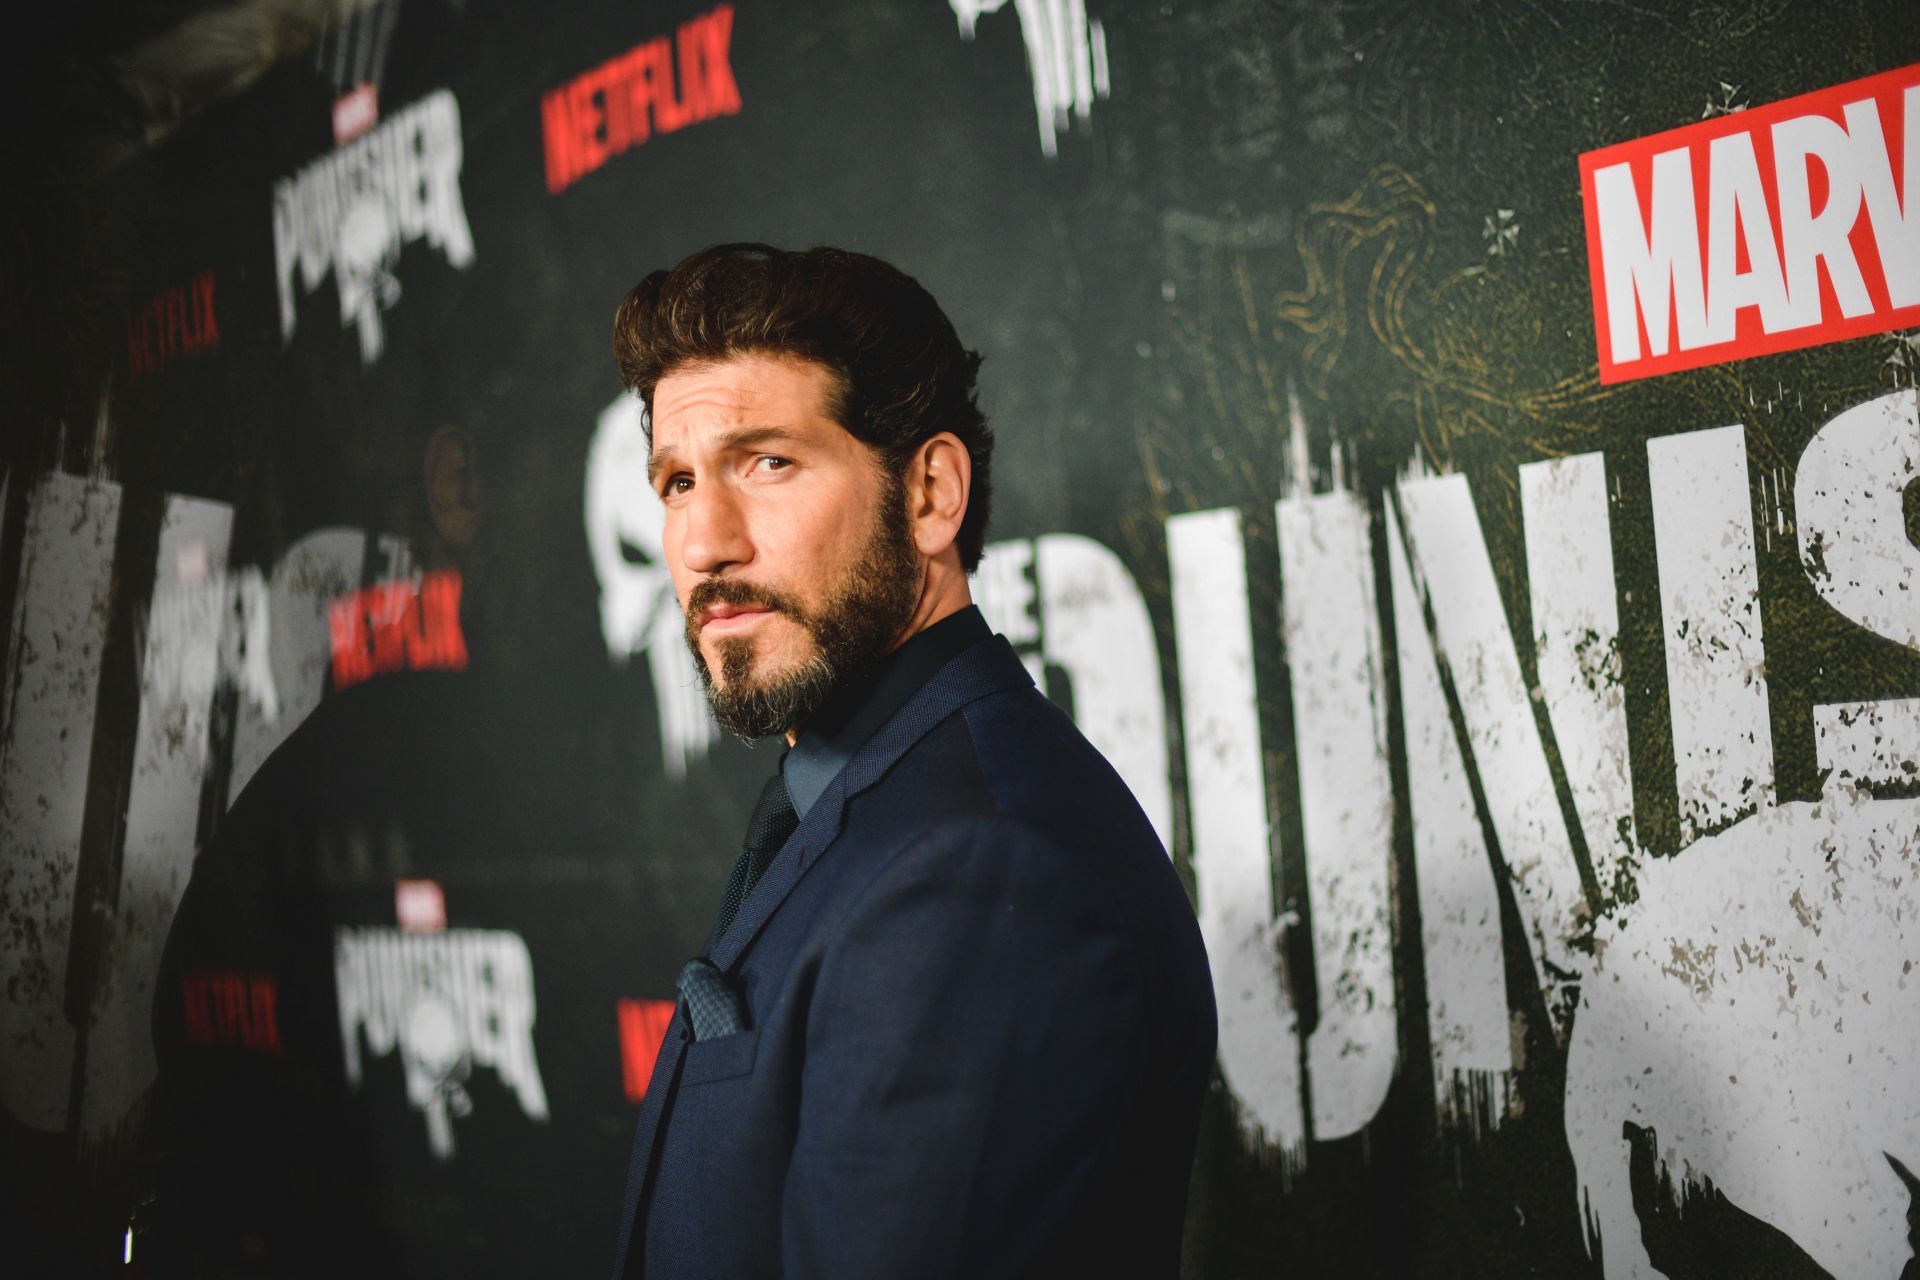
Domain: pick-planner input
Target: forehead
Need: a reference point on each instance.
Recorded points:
(753, 389)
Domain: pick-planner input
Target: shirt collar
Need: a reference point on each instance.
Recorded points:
(854, 714)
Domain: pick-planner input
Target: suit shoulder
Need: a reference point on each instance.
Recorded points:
(1009, 788)
(1015, 755)
(938, 797)
(1038, 766)
(1006, 796)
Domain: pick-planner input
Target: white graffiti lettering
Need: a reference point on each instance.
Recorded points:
(1066, 58)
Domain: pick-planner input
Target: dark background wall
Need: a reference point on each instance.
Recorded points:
(1474, 854)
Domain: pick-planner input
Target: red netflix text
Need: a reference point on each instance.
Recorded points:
(643, 1025)
(399, 625)
(1765, 230)
(225, 1007)
(173, 323)
(626, 100)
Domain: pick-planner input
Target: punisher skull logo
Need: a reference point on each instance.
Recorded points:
(438, 1061)
(365, 253)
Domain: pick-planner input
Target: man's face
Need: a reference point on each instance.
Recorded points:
(787, 539)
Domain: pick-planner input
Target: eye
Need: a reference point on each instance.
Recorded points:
(676, 484)
(771, 462)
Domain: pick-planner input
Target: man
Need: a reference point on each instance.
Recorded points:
(955, 1017)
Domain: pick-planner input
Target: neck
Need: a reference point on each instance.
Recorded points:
(943, 593)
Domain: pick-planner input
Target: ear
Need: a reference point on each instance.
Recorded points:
(938, 480)
(452, 487)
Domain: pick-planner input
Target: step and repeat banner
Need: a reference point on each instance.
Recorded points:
(1461, 463)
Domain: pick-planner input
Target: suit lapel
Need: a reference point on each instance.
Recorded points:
(816, 831)
(986, 668)
(646, 1134)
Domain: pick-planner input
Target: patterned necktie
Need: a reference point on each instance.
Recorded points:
(772, 822)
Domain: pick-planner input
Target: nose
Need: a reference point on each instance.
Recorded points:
(714, 530)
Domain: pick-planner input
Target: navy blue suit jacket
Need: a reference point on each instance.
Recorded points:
(980, 1022)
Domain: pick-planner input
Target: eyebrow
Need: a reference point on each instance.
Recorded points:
(727, 441)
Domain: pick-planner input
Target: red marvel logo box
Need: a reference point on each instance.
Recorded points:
(1763, 230)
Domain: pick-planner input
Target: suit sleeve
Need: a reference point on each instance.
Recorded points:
(972, 1049)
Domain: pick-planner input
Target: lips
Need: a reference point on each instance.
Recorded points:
(725, 605)
(730, 615)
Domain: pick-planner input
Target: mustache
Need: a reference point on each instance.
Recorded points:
(737, 591)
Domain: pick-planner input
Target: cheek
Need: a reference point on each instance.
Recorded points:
(683, 578)
(832, 531)
(786, 545)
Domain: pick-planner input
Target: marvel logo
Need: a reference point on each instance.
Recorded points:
(1779, 227)
(420, 906)
(355, 112)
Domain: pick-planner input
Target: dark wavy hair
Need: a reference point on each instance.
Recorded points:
(900, 374)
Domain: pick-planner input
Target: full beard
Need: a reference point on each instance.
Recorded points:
(859, 616)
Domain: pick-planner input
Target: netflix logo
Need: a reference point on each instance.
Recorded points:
(223, 1007)
(1766, 230)
(643, 1026)
(174, 323)
(661, 85)
(398, 625)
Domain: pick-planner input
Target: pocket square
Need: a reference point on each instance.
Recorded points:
(714, 1004)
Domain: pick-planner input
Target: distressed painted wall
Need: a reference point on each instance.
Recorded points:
(1541, 751)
